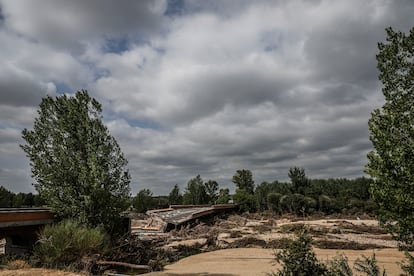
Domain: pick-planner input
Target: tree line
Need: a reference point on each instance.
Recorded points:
(9, 199)
(301, 196)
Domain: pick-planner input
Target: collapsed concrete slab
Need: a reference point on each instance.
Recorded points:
(162, 220)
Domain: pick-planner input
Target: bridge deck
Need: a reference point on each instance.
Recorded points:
(12, 217)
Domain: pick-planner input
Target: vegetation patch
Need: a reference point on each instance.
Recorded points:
(332, 244)
(248, 242)
(278, 243)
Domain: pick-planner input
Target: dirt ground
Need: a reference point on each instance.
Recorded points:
(259, 261)
(330, 235)
(240, 245)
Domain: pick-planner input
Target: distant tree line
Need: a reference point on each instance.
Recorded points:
(301, 196)
(9, 199)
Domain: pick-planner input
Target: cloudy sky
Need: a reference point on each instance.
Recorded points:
(202, 87)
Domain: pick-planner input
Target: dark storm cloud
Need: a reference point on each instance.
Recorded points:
(225, 85)
(19, 89)
(67, 23)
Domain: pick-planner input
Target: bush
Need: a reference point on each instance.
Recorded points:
(339, 266)
(408, 268)
(245, 200)
(368, 266)
(17, 264)
(299, 259)
(66, 243)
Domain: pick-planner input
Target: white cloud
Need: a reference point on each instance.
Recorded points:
(212, 88)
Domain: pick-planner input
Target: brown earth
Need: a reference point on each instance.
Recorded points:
(332, 236)
(259, 261)
(244, 245)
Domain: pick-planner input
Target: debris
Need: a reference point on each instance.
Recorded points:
(164, 220)
(139, 268)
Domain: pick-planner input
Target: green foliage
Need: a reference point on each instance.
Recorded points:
(243, 179)
(195, 192)
(326, 204)
(408, 265)
(211, 187)
(245, 200)
(78, 166)
(6, 197)
(175, 197)
(299, 180)
(368, 265)
(9, 199)
(66, 243)
(223, 196)
(338, 266)
(143, 201)
(273, 201)
(261, 193)
(391, 164)
(298, 259)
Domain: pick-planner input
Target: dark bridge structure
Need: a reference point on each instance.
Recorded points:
(19, 227)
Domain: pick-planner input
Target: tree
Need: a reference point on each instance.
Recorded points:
(273, 201)
(78, 166)
(245, 200)
(195, 193)
(175, 197)
(261, 193)
(391, 164)
(6, 197)
(143, 201)
(299, 180)
(211, 190)
(243, 179)
(223, 196)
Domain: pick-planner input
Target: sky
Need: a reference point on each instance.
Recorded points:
(202, 87)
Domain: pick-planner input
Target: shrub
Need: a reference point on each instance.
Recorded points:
(273, 200)
(299, 259)
(368, 265)
(339, 266)
(245, 200)
(66, 243)
(408, 268)
(17, 264)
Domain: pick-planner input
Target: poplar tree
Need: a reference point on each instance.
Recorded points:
(78, 166)
(391, 164)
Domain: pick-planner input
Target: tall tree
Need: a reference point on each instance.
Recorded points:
(299, 180)
(243, 179)
(175, 197)
(143, 201)
(211, 187)
(195, 192)
(223, 196)
(391, 164)
(78, 166)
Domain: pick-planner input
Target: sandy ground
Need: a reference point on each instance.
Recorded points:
(257, 261)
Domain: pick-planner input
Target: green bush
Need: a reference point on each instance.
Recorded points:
(299, 259)
(408, 268)
(338, 266)
(66, 243)
(245, 200)
(369, 266)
